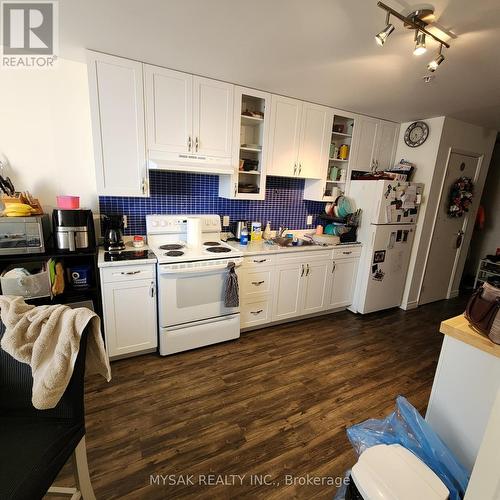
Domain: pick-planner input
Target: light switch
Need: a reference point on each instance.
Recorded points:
(225, 220)
(309, 220)
(125, 222)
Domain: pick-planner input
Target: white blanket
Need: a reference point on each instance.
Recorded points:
(48, 339)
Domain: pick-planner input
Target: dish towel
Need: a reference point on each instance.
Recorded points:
(231, 293)
(48, 339)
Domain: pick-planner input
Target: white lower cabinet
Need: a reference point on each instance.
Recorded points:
(343, 273)
(286, 286)
(129, 307)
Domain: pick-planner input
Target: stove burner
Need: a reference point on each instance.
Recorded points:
(174, 253)
(218, 249)
(211, 243)
(172, 246)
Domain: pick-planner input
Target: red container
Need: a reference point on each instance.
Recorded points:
(68, 202)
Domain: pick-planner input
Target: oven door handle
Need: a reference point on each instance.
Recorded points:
(201, 269)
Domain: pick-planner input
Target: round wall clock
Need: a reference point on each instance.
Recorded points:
(416, 134)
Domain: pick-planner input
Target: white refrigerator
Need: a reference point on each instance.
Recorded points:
(389, 211)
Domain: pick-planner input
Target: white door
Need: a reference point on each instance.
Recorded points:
(386, 141)
(213, 117)
(316, 287)
(288, 291)
(344, 273)
(169, 109)
(284, 136)
(130, 316)
(315, 134)
(117, 111)
(446, 243)
(365, 131)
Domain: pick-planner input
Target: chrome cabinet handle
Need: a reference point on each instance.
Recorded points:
(145, 185)
(196, 144)
(260, 261)
(257, 283)
(257, 312)
(130, 272)
(333, 267)
(295, 169)
(152, 290)
(190, 143)
(302, 273)
(235, 189)
(346, 253)
(300, 168)
(308, 270)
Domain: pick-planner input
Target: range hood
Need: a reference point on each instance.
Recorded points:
(189, 162)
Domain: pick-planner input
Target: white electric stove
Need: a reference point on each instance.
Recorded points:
(191, 282)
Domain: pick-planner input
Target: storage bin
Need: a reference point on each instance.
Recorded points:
(32, 286)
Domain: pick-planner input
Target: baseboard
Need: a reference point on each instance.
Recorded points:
(409, 305)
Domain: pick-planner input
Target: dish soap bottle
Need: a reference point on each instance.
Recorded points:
(267, 231)
(244, 236)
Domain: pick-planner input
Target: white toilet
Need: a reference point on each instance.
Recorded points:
(391, 472)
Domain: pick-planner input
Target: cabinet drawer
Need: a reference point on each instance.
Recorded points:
(255, 313)
(126, 273)
(258, 261)
(305, 256)
(346, 253)
(256, 282)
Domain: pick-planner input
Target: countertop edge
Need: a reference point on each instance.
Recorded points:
(458, 328)
(275, 249)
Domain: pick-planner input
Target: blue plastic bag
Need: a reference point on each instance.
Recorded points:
(406, 427)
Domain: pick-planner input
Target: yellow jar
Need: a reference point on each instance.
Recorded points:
(343, 152)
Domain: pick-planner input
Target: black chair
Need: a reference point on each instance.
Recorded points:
(35, 444)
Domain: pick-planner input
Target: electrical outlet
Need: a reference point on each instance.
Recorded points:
(225, 220)
(125, 222)
(309, 220)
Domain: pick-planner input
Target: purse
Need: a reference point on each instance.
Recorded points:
(483, 311)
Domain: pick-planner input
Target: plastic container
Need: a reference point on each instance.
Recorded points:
(244, 236)
(138, 242)
(68, 202)
(31, 286)
(79, 277)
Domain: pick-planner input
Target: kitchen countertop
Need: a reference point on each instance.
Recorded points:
(261, 248)
(458, 328)
(128, 247)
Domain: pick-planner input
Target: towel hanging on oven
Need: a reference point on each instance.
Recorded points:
(231, 293)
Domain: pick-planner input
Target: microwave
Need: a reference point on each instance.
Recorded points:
(24, 235)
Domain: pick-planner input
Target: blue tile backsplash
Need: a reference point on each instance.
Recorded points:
(184, 193)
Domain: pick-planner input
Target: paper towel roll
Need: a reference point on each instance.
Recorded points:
(193, 232)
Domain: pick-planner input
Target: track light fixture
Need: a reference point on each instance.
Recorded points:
(381, 37)
(420, 47)
(433, 65)
(418, 21)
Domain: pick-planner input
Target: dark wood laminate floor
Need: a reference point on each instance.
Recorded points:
(275, 402)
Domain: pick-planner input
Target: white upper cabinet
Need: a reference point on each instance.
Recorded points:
(189, 121)
(169, 109)
(314, 145)
(299, 138)
(365, 132)
(213, 117)
(386, 142)
(284, 134)
(117, 111)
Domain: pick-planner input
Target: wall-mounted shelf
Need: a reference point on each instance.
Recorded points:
(251, 172)
(251, 120)
(338, 159)
(254, 150)
(341, 134)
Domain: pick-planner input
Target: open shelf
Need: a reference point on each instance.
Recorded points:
(251, 120)
(255, 150)
(251, 172)
(339, 160)
(341, 134)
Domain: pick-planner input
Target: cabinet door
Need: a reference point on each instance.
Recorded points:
(284, 136)
(344, 273)
(316, 128)
(387, 136)
(117, 111)
(288, 291)
(365, 131)
(316, 287)
(169, 109)
(130, 316)
(213, 117)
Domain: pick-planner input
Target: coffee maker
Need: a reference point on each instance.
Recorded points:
(73, 229)
(113, 227)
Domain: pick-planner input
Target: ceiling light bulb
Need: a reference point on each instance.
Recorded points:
(419, 44)
(384, 34)
(433, 65)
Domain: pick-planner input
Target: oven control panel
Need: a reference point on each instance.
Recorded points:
(166, 224)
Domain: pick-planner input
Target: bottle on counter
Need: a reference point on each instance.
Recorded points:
(267, 231)
(244, 236)
(256, 234)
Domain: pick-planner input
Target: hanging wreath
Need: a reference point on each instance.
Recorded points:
(460, 197)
